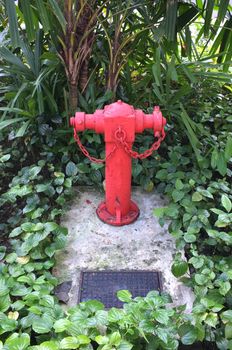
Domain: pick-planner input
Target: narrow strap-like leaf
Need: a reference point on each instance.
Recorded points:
(186, 17)
(43, 15)
(225, 39)
(58, 13)
(208, 16)
(28, 19)
(223, 7)
(171, 14)
(13, 23)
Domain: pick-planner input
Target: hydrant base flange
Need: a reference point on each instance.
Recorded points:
(117, 220)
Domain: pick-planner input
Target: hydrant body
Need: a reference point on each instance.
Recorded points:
(119, 122)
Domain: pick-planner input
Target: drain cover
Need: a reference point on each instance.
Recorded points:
(103, 285)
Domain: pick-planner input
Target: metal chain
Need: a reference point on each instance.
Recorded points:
(86, 153)
(121, 140)
(120, 136)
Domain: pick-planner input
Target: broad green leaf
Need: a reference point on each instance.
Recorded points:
(196, 197)
(222, 164)
(228, 331)
(161, 316)
(102, 340)
(5, 303)
(226, 202)
(226, 316)
(4, 289)
(114, 314)
(69, 343)
(200, 279)
(214, 158)
(179, 268)
(124, 295)
(159, 212)
(62, 325)
(228, 149)
(18, 342)
(42, 325)
(190, 238)
(2, 251)
(83, 339)
(48, 345)
(211, 319)
(179, 184)
(190, 336)
(177, 195)
(125, 345)
(71, 169)
(115, 338)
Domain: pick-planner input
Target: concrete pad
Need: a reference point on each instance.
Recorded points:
(94, 245)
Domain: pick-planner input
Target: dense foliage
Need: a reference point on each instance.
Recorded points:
(57, 56)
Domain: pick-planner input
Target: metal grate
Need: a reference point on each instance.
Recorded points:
(103, 285)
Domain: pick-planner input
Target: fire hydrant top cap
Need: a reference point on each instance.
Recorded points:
(119, 108)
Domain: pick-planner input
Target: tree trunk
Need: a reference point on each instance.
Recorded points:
(73, 99)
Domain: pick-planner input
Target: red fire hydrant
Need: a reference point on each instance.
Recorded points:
(119, 122)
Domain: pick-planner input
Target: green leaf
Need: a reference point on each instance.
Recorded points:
(211, 319)
(115, 338)
(196, 197)
(8, 122)
(101, 340)
(62, 325)
(2, 251)
(114, 314)
(179, 184)
(190, 336)
(197, 262)
(214, 158)
(171, 15)
(159, 212)
(177, 195)
(69, 343)
(124, 295)
(83, 339)
(208, 16)
(18, 342)
(58, 13)
(13, 23)
(5, 303)
(28, 18)
(228, 149)
(228, 331)
(161, 316)
(71, 169)
(224, 287)
(48, 345)
(179, 268)
(42, 325)
(222, 164)
(162, 334)
(200, 279)
(43, 14)
(226, 316)
(125, 345)
(190, 238)
(226, 202)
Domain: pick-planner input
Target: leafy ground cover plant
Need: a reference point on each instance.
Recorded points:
(31, 317)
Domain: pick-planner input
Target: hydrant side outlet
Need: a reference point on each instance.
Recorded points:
(119, 122)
